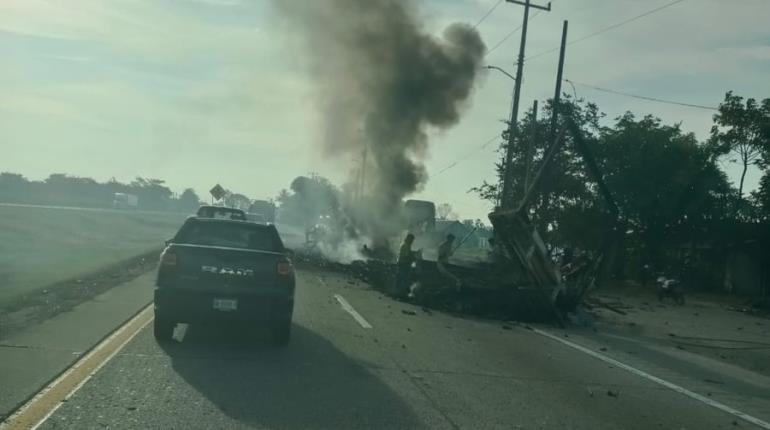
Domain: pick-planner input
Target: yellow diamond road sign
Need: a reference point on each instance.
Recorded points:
(218, 192)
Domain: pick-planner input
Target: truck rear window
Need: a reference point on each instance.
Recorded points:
(221, 213)
(230, 235)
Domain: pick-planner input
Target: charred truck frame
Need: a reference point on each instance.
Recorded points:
(521, 280)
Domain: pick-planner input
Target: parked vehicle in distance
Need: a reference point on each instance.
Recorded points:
(125, 201)
(420, 216)
(265, 208)
(221, 212)
(258, 218)
(217, 270)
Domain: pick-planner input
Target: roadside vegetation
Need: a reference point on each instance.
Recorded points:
(40, 246)
(677, 209)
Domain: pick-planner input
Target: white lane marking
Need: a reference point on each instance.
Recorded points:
(349, 309)
(679, 389)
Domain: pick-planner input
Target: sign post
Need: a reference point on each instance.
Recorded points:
(217, 192)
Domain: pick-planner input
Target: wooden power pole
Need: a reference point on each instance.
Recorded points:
(529, 151)
(556, 138)
(362, 179)
(506, 198)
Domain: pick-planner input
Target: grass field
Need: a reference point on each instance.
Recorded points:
(41, 245)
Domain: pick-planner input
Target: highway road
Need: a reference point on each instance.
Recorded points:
(358, 359)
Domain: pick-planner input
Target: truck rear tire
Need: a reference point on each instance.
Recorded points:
(281, 332)
(163, 329)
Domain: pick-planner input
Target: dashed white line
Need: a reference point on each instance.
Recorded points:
(679, 389)
(349, 309)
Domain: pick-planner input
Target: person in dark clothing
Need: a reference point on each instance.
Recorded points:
(445, 251)
(406, 257)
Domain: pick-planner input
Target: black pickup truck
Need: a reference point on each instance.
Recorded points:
(224, 270)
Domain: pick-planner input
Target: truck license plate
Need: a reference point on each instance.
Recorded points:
(225, 304)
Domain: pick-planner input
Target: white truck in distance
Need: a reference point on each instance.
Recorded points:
(125, 201)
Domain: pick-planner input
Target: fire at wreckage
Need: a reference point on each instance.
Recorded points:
(518, 279)
(383, 102)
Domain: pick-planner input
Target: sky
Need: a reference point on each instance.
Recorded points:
(199, 92)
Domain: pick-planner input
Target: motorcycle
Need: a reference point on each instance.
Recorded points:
(670, 288)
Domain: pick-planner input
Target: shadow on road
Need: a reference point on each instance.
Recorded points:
(307, 384)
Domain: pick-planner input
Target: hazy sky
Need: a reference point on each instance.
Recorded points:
(206, 91)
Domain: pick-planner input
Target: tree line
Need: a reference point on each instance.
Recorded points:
(65, 190)
(670, 188)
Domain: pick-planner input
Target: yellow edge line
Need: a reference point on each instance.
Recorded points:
(33, 413)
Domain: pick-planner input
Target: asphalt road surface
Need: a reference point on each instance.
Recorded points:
(360, 360)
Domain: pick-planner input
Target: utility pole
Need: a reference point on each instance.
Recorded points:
(555, 138)
(362, 179)
(530, 147)
(559, 74)
(506, 198)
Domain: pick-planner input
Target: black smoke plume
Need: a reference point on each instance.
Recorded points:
(382, 81)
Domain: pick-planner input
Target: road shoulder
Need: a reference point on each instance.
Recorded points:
(30, 358)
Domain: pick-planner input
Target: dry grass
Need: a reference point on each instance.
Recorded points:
(41, 246)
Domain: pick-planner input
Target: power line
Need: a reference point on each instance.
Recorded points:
(489, 12)
(465, 157)
(636, 96)
(509, 35)
(608, 28)
(571, 82)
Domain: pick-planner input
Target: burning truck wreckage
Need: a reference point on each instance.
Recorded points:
(517, 279)
(380, 88)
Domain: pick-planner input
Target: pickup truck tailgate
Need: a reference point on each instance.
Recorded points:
(206, 267)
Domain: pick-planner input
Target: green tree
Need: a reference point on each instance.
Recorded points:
(762, 197)
(309, 198)
(742, 130)
(563, 197)
(189, 201)
(14, 188)
(662, 178)
(153, 193)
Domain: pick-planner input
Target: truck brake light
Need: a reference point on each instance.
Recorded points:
(167, 258)
(284, 268)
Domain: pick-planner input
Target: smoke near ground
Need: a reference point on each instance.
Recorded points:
(382, 81)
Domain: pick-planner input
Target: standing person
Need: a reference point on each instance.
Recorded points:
(406, 258)
(445, 251)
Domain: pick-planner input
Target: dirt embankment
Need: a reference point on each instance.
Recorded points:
(44, 303)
